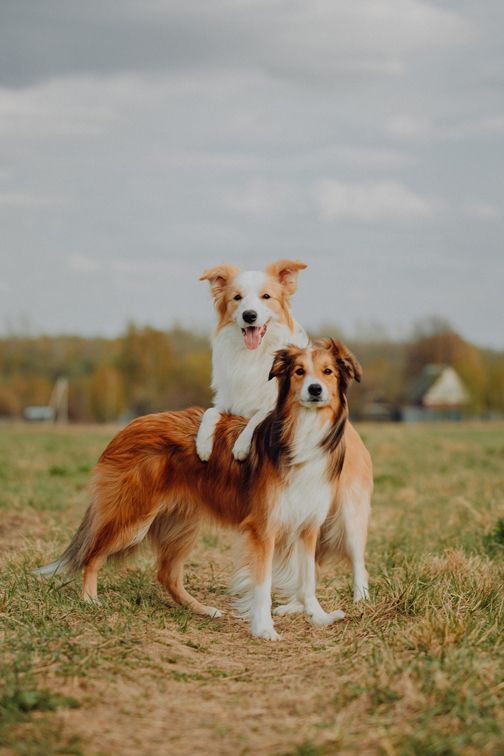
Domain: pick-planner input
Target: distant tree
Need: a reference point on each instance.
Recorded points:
(10, 406)
(145, 360)
(106, 393)
(147, 370)
(190, 382)
(494, 389)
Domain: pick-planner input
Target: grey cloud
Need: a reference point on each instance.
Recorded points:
(322, 39)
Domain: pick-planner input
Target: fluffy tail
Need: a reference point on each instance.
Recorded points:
(48, 570)
(72, 559)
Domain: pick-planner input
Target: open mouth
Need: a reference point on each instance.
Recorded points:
(253, 335)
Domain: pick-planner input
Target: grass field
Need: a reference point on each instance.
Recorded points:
(416, 670)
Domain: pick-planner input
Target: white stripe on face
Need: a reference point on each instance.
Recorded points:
(251, 284)
(310, 398)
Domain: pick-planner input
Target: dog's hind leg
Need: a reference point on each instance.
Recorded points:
(124, 506)
(173, 535)
(112, 538)
(90, 580)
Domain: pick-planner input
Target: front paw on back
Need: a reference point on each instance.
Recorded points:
(204, 449)
(241, 448)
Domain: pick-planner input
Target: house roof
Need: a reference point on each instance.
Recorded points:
(439, 386)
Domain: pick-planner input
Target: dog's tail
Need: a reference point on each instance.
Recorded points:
(72, 559)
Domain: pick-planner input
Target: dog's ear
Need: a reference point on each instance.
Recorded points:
(281, 364)
(345, 360)
(286, 273)
(219, 276)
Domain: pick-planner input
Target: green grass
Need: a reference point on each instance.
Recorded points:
(416, 670)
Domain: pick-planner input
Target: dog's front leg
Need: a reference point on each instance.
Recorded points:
(308, 581)
(206, 431)
(242, 444)
(261, 558)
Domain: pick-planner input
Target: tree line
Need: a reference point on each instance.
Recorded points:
(148, 370)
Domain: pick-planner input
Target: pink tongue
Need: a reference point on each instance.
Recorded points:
(252, 337)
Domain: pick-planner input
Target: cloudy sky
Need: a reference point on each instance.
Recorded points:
(141, 142)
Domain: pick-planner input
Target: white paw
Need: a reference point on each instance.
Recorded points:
(267, 632)
(360, 593)
(204, 448)
(293, 607)
(241, 448)
(323, 618)
(94, 600)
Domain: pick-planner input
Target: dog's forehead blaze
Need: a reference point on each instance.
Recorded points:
(250, 282)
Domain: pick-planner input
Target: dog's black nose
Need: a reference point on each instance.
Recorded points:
(314, 389)
(250, 316)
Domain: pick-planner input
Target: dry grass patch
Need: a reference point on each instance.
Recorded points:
(417, 670)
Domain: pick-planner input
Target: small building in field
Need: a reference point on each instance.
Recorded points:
(54, 412)
(38, 414)
(438, 394)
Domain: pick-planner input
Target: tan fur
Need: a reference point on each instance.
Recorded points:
(286, 273)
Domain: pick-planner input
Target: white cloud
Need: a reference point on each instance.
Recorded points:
(81, 106)
(266, 198)
(83, 264)
(408, 126)
(481, 211)
(327, 37)
(13, 200)
(456, 127)
(371, 158)
(370, 201)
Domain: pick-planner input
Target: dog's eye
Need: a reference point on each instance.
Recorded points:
(327, 371)
(237, 297)
(266, 296)
(299, 371)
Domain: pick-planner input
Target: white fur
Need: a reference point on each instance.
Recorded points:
(204, 439)
(240, 375)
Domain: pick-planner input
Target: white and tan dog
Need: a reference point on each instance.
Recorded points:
(254, 321)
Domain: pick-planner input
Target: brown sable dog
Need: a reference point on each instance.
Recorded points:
(306, 466)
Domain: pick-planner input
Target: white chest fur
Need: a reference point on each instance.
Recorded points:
(240, 376)
(307, 497)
